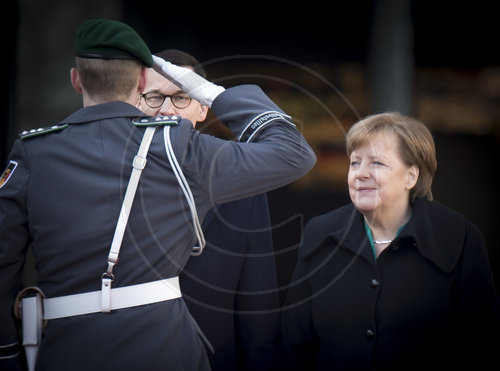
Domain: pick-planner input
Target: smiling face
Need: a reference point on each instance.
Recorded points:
(378, 179)
(195, 112)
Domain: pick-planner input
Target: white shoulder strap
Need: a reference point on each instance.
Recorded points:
(197, 250)
(138, 165)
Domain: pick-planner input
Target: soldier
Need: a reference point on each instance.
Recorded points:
(108, 262)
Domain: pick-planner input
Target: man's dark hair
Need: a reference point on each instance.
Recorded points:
(183, 59)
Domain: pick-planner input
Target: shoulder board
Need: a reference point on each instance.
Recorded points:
(35, 132)
(155, 121)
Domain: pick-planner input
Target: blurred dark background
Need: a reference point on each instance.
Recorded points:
(327, 66)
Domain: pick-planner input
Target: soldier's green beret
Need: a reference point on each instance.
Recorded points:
(108, 39)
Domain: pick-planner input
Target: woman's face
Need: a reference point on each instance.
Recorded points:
(378, 179)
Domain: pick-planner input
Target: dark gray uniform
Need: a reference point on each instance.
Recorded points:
(64, 196)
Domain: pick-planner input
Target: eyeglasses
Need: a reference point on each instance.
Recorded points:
(155, 99)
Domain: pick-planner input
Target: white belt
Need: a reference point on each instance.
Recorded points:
(121, 297)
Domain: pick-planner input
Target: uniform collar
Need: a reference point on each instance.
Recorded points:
(436, 231)
(103, 111)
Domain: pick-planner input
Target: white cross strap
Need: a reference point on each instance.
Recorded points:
(138, 165)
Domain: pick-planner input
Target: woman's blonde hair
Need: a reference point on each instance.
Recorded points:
(108, 79)
(416, 145)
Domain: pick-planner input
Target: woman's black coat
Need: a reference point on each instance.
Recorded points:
(428, 300)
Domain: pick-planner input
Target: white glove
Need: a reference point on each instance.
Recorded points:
(189, 81)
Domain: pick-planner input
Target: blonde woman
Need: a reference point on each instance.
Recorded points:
(394, 280)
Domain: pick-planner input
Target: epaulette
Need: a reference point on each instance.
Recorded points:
(155, 121)
(35, 132)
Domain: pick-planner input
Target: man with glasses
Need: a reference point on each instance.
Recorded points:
(231, 289)
(180, 102)
(110, 201)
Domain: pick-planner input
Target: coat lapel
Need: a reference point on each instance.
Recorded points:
(438, 232)
(340, 228)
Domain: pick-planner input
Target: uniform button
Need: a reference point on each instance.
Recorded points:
(374, 283)
(370, 334)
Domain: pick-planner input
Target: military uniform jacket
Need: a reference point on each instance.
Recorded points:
(427, 302)
(64, 196)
